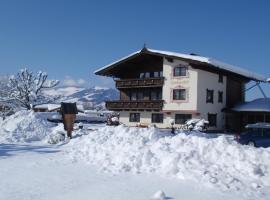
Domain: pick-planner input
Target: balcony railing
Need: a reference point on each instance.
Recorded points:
(146, 82)
(135, 105)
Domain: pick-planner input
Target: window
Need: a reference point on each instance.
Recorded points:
(140, 95)
(209, 96)
(155, 95)
(156, 74)
(212, 118)
(182, 118)
(267, 118)
(180, 71)
(251, 119)
(220, 96)
(169, 60)
(134, 117)
(220, 78)
(259, 118)
(147, 75)
(133, 96)
(157, 118)
(179, 94)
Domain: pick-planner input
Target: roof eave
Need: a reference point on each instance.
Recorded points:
(204, 60)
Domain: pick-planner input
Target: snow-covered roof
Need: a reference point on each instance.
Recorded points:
(212, 62)
(49, 107)
(257, 105)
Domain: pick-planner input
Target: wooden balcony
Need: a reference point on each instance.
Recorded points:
(135, 105)
(137, 83)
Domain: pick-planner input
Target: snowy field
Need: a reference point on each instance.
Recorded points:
(125, 163)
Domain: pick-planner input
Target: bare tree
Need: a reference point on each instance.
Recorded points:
(4, 88)
(26, 87)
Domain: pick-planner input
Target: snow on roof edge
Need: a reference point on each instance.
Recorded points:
(214, 62)
(238, 70)
(119, 60)
(259, 105)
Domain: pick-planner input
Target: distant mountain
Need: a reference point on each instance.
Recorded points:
(92, 97)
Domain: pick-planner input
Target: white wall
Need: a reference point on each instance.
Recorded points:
(189, 83)
(208, 80)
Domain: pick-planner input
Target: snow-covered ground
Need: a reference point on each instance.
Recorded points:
(125, 163)
(39, 171)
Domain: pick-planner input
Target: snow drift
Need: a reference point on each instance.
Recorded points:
(25, 126)
(211, 161)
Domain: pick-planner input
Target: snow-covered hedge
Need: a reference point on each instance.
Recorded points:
(211, 161)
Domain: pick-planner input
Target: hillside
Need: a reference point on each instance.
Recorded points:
(94, 96)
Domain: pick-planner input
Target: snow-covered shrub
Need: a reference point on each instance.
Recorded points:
(57, 137)
(197, 124)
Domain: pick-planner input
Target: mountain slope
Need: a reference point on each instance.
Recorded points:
(94, 96)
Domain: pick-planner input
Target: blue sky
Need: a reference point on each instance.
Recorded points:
(71, 39)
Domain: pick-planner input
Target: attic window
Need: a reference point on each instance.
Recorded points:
(169, 59)
(180, 71)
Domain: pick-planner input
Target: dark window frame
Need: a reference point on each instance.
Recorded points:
(179, 99)
(267, 118)
(220, 78)
(151, 74)
(212, 123)
(181, 74)
(140, 95)
(135, 118)
(182, 120)
(155, 95)
(159, 119)
(133, 95)
(211, 98)
(220, 96)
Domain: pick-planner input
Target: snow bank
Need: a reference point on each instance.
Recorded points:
(159, 195)
(25, 126)
(210, 161)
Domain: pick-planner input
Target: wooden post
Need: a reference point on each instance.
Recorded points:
(69, 120)
(69, 111)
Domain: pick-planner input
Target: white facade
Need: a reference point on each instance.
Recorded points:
(196, 82)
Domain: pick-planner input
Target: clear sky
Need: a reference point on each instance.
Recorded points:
(71, 39)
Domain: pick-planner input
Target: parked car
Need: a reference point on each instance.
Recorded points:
(257, 135)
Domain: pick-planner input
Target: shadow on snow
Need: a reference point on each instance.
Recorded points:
(7, 150)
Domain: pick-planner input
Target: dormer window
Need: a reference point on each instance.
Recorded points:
(180, 71)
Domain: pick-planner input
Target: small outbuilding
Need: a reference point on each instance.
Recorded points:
(255, 111)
